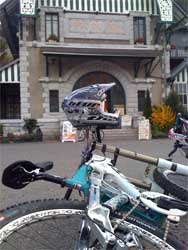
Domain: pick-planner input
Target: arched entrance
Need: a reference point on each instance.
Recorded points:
(115, 96)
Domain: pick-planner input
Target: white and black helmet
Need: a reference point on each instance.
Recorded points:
(83, 107)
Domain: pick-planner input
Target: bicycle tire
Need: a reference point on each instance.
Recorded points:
(101, 135)
(171, 183)
(20, 223)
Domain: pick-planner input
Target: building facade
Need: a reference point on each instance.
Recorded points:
(70, 44)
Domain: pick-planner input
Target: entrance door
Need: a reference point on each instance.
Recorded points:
(115, 96)
(9, 101)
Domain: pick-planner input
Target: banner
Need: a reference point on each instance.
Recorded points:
(144, 132)
(68, 132)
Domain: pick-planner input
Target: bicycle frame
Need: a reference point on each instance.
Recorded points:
(122, 197)
(107, 191)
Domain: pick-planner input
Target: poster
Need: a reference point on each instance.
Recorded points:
(126, 121)
(144, 132)
(68, 132)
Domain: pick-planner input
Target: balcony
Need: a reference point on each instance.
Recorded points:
(179, 53)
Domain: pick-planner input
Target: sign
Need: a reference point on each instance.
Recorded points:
(165, 7)
(126, 120)
(68, 132)
(27, 7)
(144, 130)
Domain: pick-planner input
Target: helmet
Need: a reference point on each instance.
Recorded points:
(83, 107)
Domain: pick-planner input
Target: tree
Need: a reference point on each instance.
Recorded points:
(173, 101)
(147, 105)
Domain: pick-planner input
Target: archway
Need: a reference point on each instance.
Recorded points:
(115, 96)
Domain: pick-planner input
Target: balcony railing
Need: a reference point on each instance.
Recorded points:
(179, 53)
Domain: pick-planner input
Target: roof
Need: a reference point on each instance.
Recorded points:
(10, 73)
(115, 51)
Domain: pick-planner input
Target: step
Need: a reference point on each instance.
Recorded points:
(124, 133)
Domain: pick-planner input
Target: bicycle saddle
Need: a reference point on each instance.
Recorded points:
(20, 173)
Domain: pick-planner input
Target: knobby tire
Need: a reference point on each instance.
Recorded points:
(54, 224)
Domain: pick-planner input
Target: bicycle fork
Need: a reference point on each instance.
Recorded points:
(98, 222)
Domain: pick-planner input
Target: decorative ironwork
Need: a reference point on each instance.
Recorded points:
(165, 7)
(27, 7)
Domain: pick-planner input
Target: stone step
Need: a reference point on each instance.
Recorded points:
(124, 133)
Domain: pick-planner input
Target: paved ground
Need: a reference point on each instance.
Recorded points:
(66, 158)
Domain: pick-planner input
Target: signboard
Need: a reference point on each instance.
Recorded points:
(165, 7)
(68, 132)
(126, 120)
(27, 7)
(144, 132)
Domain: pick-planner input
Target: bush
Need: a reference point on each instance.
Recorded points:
(157, 133)
(147, 105)
(162, 117)
(30, 125)
(1, 129)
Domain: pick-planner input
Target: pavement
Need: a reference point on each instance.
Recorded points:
(66, 158)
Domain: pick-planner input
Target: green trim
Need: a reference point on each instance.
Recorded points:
(6, 75)
(18, 71)
(12, 73)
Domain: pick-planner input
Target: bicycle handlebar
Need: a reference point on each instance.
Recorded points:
(159, 162)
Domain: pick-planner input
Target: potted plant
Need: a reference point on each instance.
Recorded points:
(173, 46)
(140, 40)
(30, 125)
(1, 132)
(52, 38)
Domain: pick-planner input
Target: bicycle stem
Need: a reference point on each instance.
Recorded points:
(159, 162)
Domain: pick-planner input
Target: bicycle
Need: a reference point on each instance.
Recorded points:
(173, 183)
(82, 134)
(113, 215)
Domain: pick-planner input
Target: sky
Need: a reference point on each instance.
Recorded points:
(1, 1)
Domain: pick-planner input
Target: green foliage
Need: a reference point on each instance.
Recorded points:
(173, 101)
(147, 106)
(162, 117)
(157, 133)
(1, 129)
(30, 125)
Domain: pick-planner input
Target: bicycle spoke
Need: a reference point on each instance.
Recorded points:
(34, 239)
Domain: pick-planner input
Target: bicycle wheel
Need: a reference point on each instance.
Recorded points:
(81, 134)
(55, 224)
(94, 135)
(41, 225)
(172, 183)
(141, 235)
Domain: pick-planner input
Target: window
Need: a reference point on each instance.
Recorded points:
(139, 30)
(181, 90)
(141, 100)
(52, 26)
(54, 100)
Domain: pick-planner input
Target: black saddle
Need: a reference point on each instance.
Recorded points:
(18, 174)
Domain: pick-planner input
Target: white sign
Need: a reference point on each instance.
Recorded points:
(68, 132)
(126, 120)
(144, 132)
(165, 7)
(27, 7)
